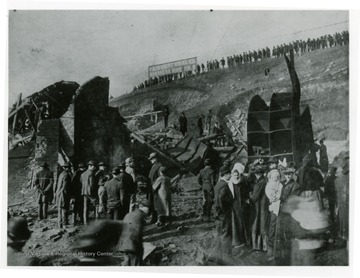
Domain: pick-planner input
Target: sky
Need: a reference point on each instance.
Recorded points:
(49, 46)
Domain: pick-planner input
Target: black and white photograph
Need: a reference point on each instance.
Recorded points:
(178, 138)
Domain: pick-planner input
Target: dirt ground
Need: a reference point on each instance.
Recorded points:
(187, 242)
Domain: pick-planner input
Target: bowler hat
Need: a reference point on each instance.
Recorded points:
(81, 165)
(44, 164)
(92, 162)
(102, 164)
(116, 170)
(153, 155)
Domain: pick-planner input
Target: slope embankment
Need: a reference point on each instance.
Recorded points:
(324, 79)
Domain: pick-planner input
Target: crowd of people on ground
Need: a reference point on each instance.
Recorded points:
(299, 47)
(94, 192)
(287, 212)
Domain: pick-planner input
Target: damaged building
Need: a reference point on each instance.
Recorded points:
(71, 123)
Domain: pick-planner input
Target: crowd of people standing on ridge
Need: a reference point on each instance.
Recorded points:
(299, 47)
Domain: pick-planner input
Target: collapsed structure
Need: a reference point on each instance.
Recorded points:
(282, 130)
(71, 123)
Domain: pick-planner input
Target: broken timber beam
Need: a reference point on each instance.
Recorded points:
(160, 153)
(210, 137)
(143, 114)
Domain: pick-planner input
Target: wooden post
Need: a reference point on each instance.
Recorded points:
(31, 123)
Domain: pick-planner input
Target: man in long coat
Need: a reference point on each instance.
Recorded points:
(260, 212)
(44, 183)
(166, 113)
(89, 189)
(153, 175)
(207, 180)
(76, 187)
(162, 197)
(342, 201)
(63, 195)
(129, 189)
(323, 157)
(224, 199)
(200, 125)
(130, 169)
(183, 124)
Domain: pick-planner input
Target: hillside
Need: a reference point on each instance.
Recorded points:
(324, 79)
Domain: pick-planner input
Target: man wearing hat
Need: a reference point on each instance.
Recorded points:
(44, 183)
(130, 169)
(102, 195)
(342, 200)
(115, 195)
(224, 199)
(131, 239)
(260, 210)
(76, 197)
(330, 192)
(17, 235)
(207, 181)
(129, 189)
(63, 194)
(153, 175)
(323, 156)
(291, 187)
(162, 196)
(102, 175)
(89, 189)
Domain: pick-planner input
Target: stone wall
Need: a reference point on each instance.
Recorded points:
(100, 133)
(47, 144)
